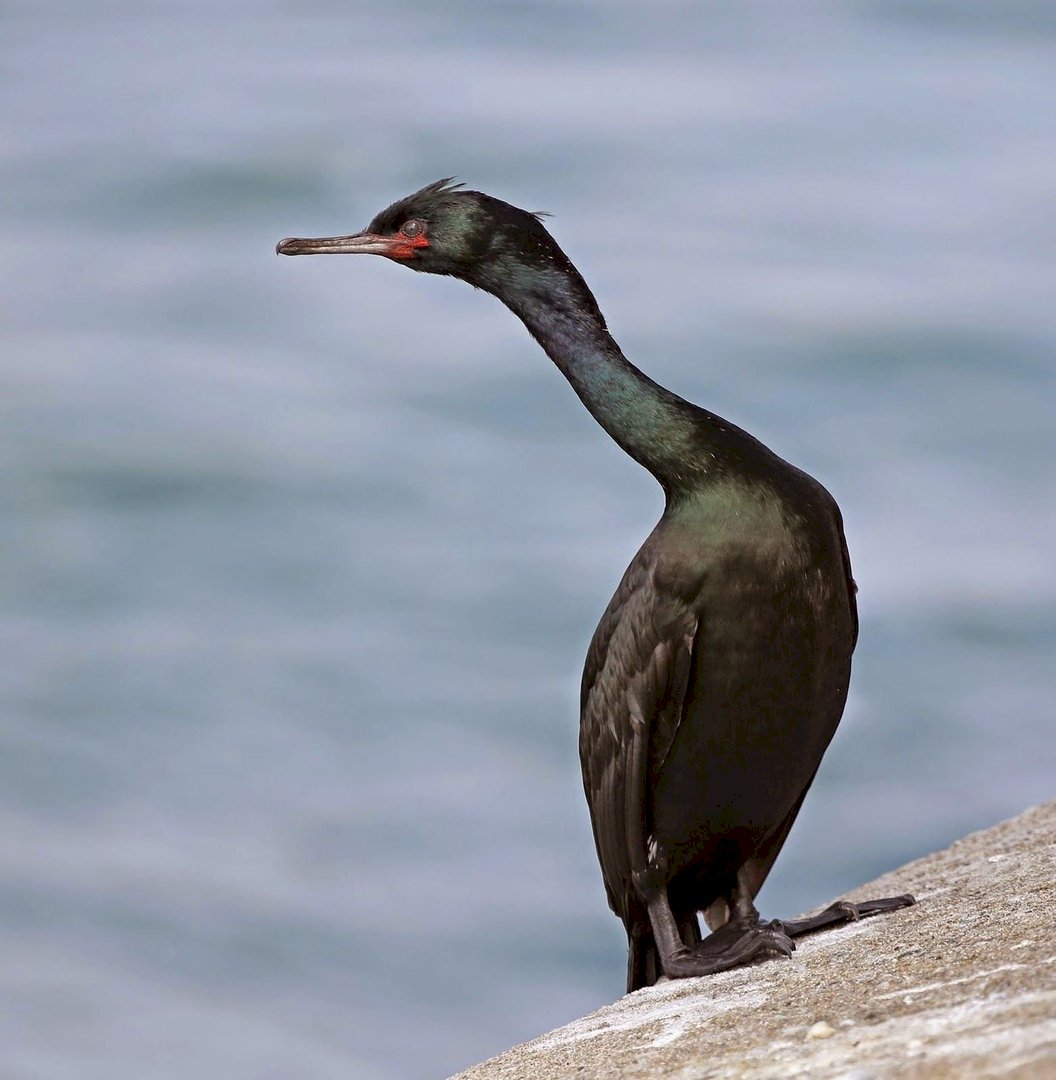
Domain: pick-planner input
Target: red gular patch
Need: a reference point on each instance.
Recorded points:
(404, 246)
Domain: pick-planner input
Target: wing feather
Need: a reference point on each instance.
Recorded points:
(634, 692)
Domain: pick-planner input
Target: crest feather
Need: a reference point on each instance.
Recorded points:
(440, 187)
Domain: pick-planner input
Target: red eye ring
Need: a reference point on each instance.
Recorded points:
(414, 227)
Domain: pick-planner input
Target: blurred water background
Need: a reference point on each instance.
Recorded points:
(300, 558)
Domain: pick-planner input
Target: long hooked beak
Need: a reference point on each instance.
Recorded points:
(359, 244)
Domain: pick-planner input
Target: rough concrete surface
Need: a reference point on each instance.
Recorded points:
(961, 985)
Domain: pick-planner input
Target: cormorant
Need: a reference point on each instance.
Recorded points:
(719, 671)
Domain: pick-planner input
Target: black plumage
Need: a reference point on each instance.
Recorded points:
(719, 671)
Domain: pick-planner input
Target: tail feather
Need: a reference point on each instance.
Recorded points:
(643, 959)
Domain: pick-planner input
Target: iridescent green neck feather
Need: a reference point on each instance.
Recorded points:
(657, 428)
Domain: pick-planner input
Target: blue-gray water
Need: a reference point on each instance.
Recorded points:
(300, 557)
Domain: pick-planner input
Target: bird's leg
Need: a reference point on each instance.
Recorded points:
(744, 938)
(689, 929)
(840, 912)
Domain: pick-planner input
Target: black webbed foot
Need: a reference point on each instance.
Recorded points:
(728, 947)
(840, 912)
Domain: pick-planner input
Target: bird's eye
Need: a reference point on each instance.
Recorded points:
(414, 227)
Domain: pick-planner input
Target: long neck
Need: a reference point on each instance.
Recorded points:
(657, 428)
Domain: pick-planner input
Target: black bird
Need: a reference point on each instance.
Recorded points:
(719, 671)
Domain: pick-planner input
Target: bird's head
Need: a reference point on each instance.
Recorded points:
(443, 229)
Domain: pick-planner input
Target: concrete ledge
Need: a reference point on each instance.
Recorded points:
(961, 985)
